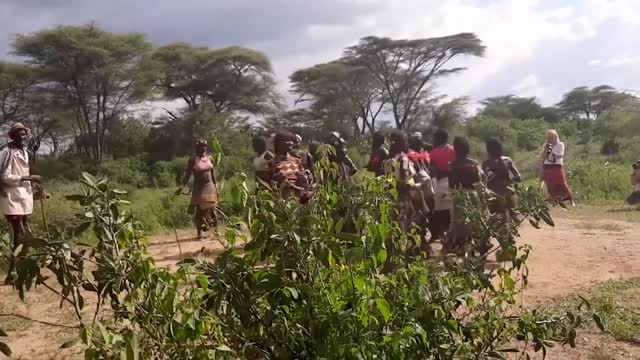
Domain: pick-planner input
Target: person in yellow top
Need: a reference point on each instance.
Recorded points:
(16, 194)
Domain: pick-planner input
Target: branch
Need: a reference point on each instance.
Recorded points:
(41, 321)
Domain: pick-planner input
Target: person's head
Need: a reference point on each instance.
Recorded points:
(440, 137)
(259, 144)
(552, 136)
(461, 146)
(378, 140)
(18, 134)
(282, 143)
(398, 142)
(494, 148)
(415, 141)
(201, 147)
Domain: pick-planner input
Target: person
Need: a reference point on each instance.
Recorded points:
(378, 154)
(288, 173)
(440, 158)
(311, 157)
(204, 192)
(553, 173)
(465, 174)
(346, 167)
(634, 198)
(423, 201)
(500, 172)
(16, 193)
(262, 161)
(296, 149)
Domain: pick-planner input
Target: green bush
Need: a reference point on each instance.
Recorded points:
(599, 182)
(132, 171)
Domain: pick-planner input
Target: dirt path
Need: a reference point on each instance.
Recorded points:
(575, 254)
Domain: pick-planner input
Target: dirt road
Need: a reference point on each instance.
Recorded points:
(575, 254)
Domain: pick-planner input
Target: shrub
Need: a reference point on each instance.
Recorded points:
(597, 182)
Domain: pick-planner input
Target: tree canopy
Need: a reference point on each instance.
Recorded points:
(405, 69)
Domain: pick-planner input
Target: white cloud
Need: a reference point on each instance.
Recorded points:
(529, 86)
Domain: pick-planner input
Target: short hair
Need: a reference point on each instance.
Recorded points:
(440, 137)
(494, 148)
(399, 139)
(281, 137)
(461, 146)
(259, 142)
(378, 138)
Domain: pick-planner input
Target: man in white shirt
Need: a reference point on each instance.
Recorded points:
(16, 194)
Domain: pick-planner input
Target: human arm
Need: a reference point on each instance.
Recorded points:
(186, 176)
(514, 171)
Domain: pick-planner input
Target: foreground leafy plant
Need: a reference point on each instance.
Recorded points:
(310, 284)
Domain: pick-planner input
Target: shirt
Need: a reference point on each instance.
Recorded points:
(555, 156)
(17, 195)
(441, 158)
(465, 173)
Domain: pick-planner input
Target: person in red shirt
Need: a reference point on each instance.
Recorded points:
(441, 158)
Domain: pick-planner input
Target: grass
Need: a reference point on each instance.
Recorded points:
(617, 302)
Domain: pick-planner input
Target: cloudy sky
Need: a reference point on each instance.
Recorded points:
(534, 47)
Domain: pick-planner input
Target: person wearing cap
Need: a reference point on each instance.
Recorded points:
(16, 193)
(346, 167)
(204, 192)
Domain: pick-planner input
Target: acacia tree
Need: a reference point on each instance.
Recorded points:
(224, 80)
(16, 80)
(344, 91)
(590, 103)
(101, 75)
(406, 68)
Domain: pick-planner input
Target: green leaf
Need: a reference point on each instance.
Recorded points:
(203, 281)
(294, 292)
(18, 250)
(133, 351)
(89, 180)
(384, 308)
(224, 348)
(4, 348)
(599, 324)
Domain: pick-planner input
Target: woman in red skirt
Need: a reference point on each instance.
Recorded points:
(553, 173)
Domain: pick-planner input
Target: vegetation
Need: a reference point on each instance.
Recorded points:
(312, 282)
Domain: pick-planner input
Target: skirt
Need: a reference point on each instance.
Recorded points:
(634, 198)
(443, 199)
(556, 182)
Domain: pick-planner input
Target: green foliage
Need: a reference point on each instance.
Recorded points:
(594, 182)
(311, 284)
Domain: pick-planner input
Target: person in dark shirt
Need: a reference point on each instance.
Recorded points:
(378, 155)
(501, 173)
(464, 175)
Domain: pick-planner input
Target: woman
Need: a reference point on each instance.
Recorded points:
(423, 200)
(441, 157)
(553, 173)
(16, 193)
(501, 172)
(204, 193)
(464, 175)
(288, 174)
(262, 161)
(378, 154)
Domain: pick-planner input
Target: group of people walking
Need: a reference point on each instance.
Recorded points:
(425, 176)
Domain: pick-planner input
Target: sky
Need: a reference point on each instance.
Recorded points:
(540, 48)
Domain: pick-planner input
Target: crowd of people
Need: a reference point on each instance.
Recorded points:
(425, 175)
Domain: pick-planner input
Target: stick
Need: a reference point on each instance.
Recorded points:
(41, 321)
